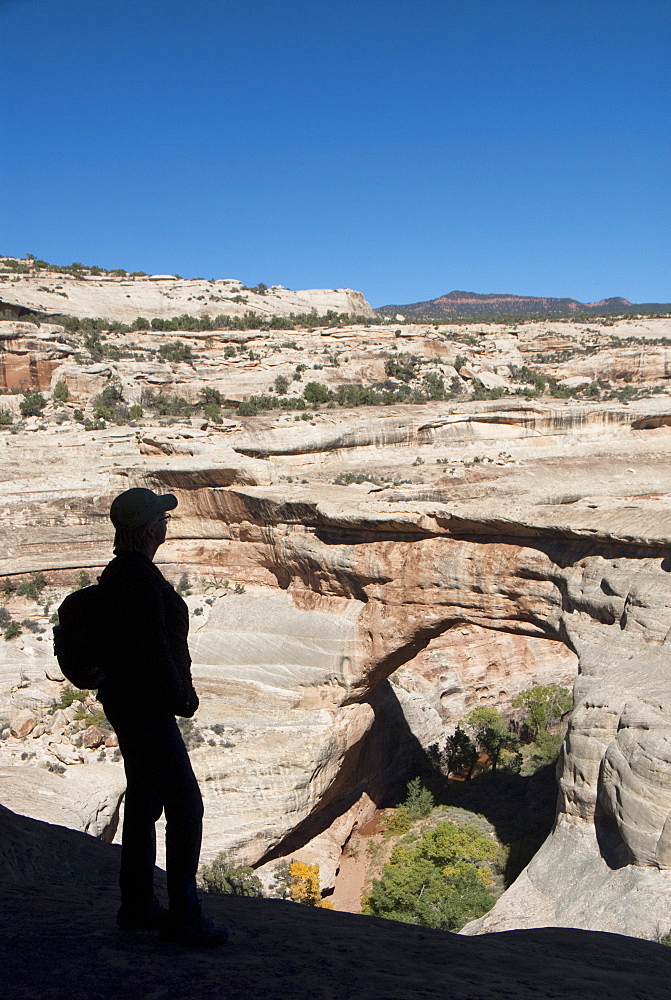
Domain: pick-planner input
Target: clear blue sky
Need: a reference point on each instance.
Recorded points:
(401, 147)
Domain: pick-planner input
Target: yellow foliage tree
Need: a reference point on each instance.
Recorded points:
(305, 887)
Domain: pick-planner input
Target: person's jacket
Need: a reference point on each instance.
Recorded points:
(145, 651)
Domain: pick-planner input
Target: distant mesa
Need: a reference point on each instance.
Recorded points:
(473, 305)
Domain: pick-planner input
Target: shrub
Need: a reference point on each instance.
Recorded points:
(183, 586)
(398, 822)
(70, 694)
(402, 367)
(12, 630)
(93, 345)
(225, 877)
(32, 588)
(254, 405)
(434, 386)
(166, 406)
(316, 393)
(83, 580)
(190, 733)
(32, 626)
(6, 416)
(32, 404)
(529, 376)
(211, 411)
(547, 747)
(61, 393)
(211, 396)
(5, 617)
(135, 412)
(176, 352)
(78, 416)
(281, 384)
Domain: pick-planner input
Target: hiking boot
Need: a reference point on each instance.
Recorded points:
(193, 929)
(142, 918)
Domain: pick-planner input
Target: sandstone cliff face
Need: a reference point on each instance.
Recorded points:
(375, 616)
(414, 574)
(165, 296)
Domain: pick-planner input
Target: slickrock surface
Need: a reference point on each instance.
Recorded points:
(58, 941)
(497, 543)
(165, 295)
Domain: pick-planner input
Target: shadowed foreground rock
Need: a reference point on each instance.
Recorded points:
(58, 940)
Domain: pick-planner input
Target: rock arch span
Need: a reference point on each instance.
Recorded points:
(398, 576)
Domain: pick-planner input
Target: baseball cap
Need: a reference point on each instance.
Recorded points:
(138, 507)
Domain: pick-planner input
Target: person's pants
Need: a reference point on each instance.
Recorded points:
(159, 777)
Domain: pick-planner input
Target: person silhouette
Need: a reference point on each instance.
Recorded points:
(147, 683)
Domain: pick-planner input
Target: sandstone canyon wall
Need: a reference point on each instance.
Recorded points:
(375, 616)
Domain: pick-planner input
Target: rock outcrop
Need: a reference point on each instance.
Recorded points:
(165, 296)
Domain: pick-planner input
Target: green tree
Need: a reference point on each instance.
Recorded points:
(434, 386)
(175, 352)
(315, 393)
(32, 404)
(12, 630)
(459, 754)
(61, 393)
(212, 412)
(431, 884)
(492, 735)
(544, 704)
(402, 367)
(546, 747)
(32, 588)
(450, 843)
(93, 345)
(233, 880)
(419, 801)
(211, 396)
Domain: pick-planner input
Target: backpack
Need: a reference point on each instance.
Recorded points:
(78, 638)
